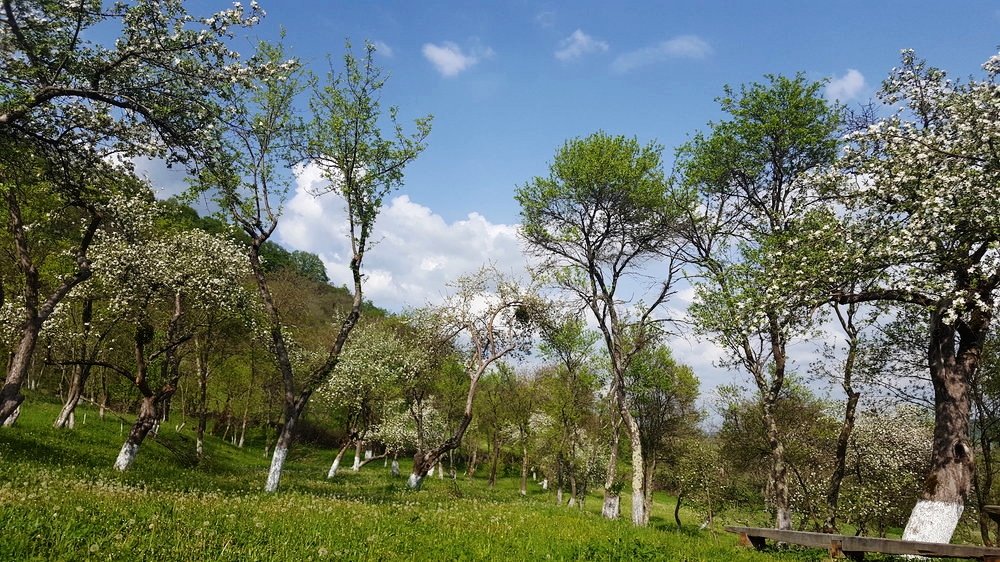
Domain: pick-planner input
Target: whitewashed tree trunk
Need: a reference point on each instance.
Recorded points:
(274, 473)
(336, 460)
(127, 456)
(559, 494)
(933, 521)
(357, 457)
(414, 481)
(143, 426)
(440, 470)
(368, 454)
(612, 506)
(395, 467)
(545, 484)
(12, 418)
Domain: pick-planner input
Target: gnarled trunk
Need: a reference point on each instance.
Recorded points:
(140, 429)
(950, 477)
(17, 373)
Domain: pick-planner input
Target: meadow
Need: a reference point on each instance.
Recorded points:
(61, 500)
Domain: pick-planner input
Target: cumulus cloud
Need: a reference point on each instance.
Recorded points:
(680, 47)
(416, 252)
(383, 49)
(579, 44)
(846, 87)
(449, 59)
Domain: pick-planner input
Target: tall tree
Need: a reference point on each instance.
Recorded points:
(345, 141)
(604, 213)
(754, 172)
(488, 318)
(918, 193)
(663, 393)
(78, 103)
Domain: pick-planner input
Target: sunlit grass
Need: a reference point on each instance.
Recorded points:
(60, 499)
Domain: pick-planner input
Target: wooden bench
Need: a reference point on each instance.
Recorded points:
(855, 548)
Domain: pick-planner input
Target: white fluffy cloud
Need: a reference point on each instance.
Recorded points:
(416, 252)
(680, 47)
(846, 87)
(449, 59)
(579, 44)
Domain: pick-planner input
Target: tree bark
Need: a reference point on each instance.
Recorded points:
(357, 456)
(847, 426)
(36, 311)
(201, 365)
(612, 498)
(524, 469)
(779, 471)
(73, 395)
(950, 477)
(494, 460)
(336, 460)
(144, 423)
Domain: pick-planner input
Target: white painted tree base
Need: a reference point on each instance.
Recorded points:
(933, 521)
(395, 467)
(414, 481)
(274, 474)
(127, 456)
(612, 507)
(333, 468)
(12, 418)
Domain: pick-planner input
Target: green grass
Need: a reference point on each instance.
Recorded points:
(60, 500)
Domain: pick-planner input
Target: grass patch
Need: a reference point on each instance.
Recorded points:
(60, 499)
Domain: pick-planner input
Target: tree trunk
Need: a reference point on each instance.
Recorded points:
(640, 517)
(779, 470)
(143, 425)
(357, 455)
(524, 470)
(10, 393)
(284, 442)
(612, 498)
(950, 477)
(647, 501)
(394, 470)
(471, 470)
(73, 395)
(572, 489)
(336, 460)
(847, 427)
(840, 461)
(677, 509)
(493, 462)
(416, 478)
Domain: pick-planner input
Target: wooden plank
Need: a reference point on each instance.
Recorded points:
(937, 550)
(851, 546)
(804, 538)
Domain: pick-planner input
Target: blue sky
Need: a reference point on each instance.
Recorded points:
(508, 83)
(499, 119)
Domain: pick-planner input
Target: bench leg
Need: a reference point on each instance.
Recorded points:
(755, 542)
(837, 551)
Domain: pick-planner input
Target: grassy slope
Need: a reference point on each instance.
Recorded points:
(59, 499)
